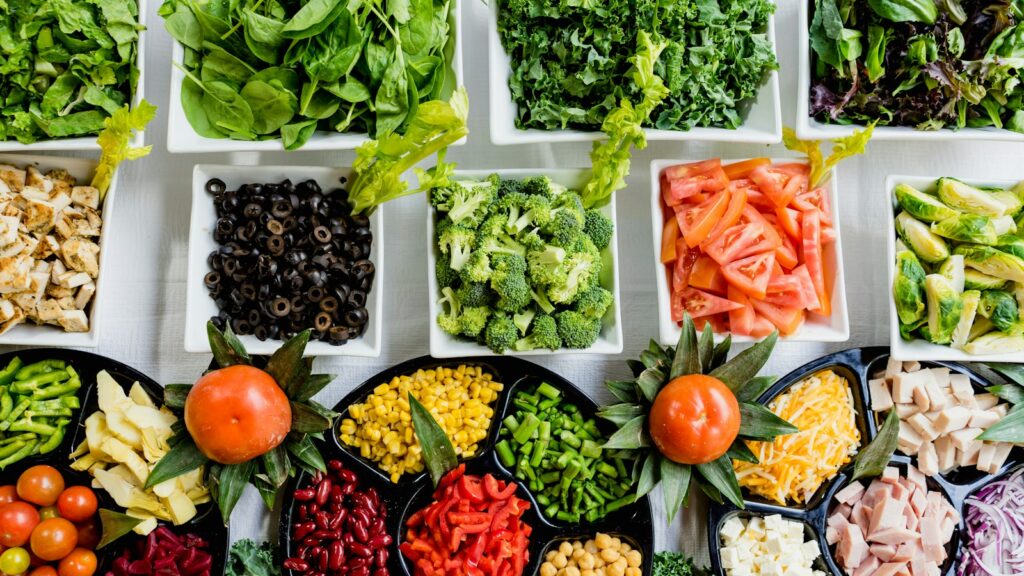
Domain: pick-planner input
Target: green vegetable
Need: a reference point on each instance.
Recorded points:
(944, 308)
(993, 262)
(113, 140)
(995, 343)
(967, 228)
(962, 333)
(928, 246)
(975, 280)
(954, 271)
(67, 66)
(115, 525)
(1000, 308)
(36, 406)
(924, 207)
(908, 288)
(842, 148)
(676, 564)
(258, 69)
(248, 558)
(967, 198)
(906, 10)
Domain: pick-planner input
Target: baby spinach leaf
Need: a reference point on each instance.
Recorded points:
(293, 136)
(313, 18)
(262, 35)
(272, 107)
(392, 101)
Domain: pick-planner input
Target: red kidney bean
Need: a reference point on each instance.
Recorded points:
(360, 533)
(302, 529)
(380, 572)
(321, 560)
(296, 564)
(377, 527)
(380, 542)
(335, 465)
(312, 508)
(323, 491)
(304, 494)
(347, 489)
(380, 557)
(322, 520)
(360, 550)
(336, 555)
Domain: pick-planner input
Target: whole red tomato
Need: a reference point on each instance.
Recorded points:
(80, 562)
(8, 494)
(694, 419)
(236, 414)
(77, 503)
(54, 539)
(17, 520)
(40, 485)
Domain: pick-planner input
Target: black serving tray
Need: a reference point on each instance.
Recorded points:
(206, 523)
(632, 523)
(856, 365)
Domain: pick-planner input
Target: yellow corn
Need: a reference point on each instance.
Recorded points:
(381, 428)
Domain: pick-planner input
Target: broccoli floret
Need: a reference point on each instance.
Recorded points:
(536, 211)
(522, 319)
(506, 187)
(460, 320)
(457, 242)
(474, 294)
(493, 225)
(543, 186)
(576, 330)
(545, 265)
(500, 244)
(442, 224)
(509, 282)
(543, 334)
(599, 228)
(532, 241)
(579, 271)
(594, 302)
(470, 202)
(443, 270)
(501, 333)
(542, 301)
(563, 228)
(441, 196)
(477, 268)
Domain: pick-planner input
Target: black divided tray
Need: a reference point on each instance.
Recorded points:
(632, 523)
(206, 524)
(857, 365)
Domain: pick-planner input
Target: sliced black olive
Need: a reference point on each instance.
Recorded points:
(356, 317)
(215, 186)
(212, 279)
(281, 307)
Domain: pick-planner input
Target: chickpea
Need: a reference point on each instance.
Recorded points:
(547, 569)
(577, 545)
(590, 546)
(614, 570)
(603, 541)
(609, 555)
(559, 561)
(588, 573)
(565, 549)
(550, 555)
(572, 571)
(621, 564)
(634, 558)
(633, 571)
(586, 561)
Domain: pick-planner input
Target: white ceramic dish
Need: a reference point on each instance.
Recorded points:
(808, 128)
(89, 142)
(815, 328)
(444, 345)
(199, 307)
(29, 334)
(182, 138)
(763, 124)
(922, 349)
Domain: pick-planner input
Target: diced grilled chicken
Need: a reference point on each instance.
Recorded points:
(85, 294)
(13, 321)
(81, 254)
(40, 216)
(86, 196)
(8, 229)
(14, 274)
(74, 321)
(13, 177)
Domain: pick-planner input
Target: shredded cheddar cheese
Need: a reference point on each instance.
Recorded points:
(793, 467)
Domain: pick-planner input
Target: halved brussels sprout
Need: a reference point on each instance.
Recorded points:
(1011, 243)
(981, 326)
(944, 308)
(907, 330)
(1018, 294)
(962, 334)
(953, 269)
(967, 228)
(996, 343)
(974, 280)
(928, 246)
(967, 198)
(908, 288)
(922, 206)
(993, 262)
(1008, 199)
(1000, 307)
(1004, 225)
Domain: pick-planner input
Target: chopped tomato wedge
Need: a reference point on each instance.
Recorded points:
(808, 287)
(683, 181)
(737, 202)
(757, 198)
(741, 320)
(762, 327)
(707, 275)
(828, 235)
(785, 254)
(751, 274)
(788, 291)
(698, 303)
(669, 235)
(716, 321)
(816, 199)
(696, 222)
(777, 269)
(787, 320)
(743, 168)
(750, 214)
(772, 183)
(683, 266)
(789, 220)
(742, 240)
(813, 259)
(794, 168)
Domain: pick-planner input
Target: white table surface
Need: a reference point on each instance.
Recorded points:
(144, 316)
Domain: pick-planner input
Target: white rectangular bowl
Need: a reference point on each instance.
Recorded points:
(182, 138)
(815, 328)
(444, 345)
(199, 307)
(763, 124)
(89, 142)
(808, 128)
(920, 349)
(29, 334)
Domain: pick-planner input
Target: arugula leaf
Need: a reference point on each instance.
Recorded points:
(113, 140)
(842, 148)
(379, 164)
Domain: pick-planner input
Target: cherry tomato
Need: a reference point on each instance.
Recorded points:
(54, 539)
(694, 419)
(17, 520)
(77, 503)
(8, 494)
(80, 562)
(14, 561)
(40, 485)
(47, 512)
(43, 571)
(89, 534)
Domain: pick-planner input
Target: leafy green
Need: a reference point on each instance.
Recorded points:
(569, 59)
(906, 10)
(676, 564)
(873, 459)
(113, 140)
(249, 558)
(65, 66)
(438, 453)
(260, 69)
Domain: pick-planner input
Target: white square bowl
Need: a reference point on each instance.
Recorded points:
(199, 307)
(89, 142)
(763, 124)
(29, 334)
(815, 328)
(444, 345)
(808, 128)
(182, 138)
(920, 349)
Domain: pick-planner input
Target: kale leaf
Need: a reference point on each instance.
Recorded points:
(248, 558)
